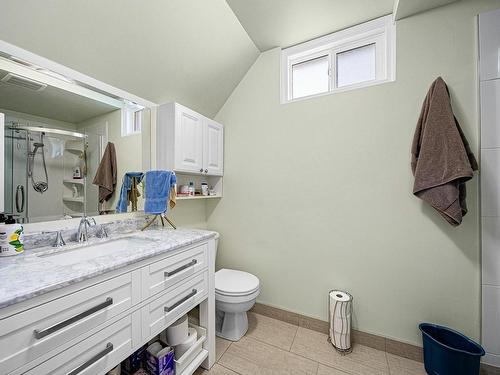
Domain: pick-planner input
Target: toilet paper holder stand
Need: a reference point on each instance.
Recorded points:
(344, 346)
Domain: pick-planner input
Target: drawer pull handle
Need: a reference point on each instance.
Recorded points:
(94, 359)
(181, 268)
(73, 319)
(181, 301)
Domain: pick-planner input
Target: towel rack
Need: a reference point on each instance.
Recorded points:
(162, 218)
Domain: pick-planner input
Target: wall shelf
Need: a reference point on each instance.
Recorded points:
(74, 150)
(71, 199)
(182, 198)
(74, 181)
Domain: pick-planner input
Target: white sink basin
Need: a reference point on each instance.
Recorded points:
(88, 252)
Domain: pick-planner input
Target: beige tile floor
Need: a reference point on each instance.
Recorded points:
(275, 347)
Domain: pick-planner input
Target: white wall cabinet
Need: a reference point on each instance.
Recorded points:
(213, 148)
(188, 142)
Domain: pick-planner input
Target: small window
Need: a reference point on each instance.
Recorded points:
(131, 119)
(310, 77)
(360, 56)
(356, 65)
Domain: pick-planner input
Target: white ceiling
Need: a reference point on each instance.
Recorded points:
(191, 51)
(282, 23)
(51, 103)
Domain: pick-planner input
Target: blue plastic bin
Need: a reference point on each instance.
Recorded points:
(448, 352)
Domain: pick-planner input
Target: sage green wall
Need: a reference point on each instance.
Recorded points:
(317, 193)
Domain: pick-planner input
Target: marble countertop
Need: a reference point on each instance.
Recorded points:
(29, 275)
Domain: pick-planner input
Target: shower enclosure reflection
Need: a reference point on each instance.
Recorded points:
(45, 171)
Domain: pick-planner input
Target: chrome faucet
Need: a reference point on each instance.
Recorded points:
(82, 234)
(101, 232)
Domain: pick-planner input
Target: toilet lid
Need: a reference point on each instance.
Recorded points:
(233, 282)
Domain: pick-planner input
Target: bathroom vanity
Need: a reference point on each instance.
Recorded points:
(82, 309)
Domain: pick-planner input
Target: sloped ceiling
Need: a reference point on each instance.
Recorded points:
(407, 8)
(191, 51)
(282, 23)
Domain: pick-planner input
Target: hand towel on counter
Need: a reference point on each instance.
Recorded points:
(441, 157)
(105, 176)
(127, 183)
(159, 188)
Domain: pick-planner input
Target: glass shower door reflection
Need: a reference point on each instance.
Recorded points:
(15, 188)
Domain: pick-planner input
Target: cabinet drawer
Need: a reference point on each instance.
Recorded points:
(161, 275)
(95, 355)
(35, 332)
(168, 307)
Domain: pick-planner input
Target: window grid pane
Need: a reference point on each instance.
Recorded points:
(356, 65)
(310, 77)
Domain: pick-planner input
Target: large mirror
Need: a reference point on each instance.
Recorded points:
(59, 146)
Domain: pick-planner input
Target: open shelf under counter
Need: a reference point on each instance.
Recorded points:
(196, 362)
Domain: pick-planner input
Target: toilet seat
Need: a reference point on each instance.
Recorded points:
(233, 284)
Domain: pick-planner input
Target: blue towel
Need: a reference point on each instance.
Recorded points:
(157, 194)
(122, 204)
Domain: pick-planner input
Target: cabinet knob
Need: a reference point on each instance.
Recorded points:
(201, 169)
(206, 170)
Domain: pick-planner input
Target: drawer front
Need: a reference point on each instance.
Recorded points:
(97, 354)
(168, 307)
(34, 332)
(165, 273)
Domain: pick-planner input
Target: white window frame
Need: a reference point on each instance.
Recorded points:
(129, 112)
(380, 31)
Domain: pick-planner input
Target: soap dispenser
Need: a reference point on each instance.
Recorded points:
(11, 237)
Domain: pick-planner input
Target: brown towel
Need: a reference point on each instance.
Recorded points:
(172, 197)
(105, 176)
(441, 157)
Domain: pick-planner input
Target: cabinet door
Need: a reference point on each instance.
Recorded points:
(188, 140)
(213, 149)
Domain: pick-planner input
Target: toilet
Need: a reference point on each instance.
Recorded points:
(235, 294)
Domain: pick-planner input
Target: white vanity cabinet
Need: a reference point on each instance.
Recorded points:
(90, 327)
(188, 142)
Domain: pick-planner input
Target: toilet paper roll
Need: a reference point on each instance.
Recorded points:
(340, 304)
(186, 344)
(338, 295)
(341, 325)
(178, 331)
